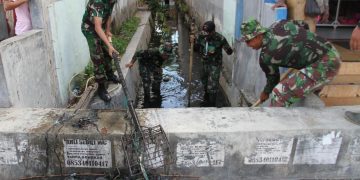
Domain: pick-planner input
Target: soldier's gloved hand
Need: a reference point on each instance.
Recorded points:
(229, 51)
(129, 65)
(264, 96)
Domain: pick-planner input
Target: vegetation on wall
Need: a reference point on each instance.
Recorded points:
(183, 7)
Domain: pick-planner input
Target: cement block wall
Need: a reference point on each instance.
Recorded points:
(26, 80)
(64, 51)
(210, 143)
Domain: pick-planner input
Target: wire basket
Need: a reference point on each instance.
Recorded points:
(151, 153)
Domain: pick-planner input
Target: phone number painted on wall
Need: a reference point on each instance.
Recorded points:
(87, 153)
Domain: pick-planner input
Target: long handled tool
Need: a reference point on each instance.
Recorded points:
(146, 149)
(283, 76)
(192, 38)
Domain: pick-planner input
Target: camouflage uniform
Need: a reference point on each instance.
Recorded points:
(211, 54)
(98, 50)
(288, 44)
(150, 62)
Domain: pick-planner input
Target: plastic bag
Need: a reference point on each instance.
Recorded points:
(312, 8)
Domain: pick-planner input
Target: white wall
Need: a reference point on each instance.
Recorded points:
(229, 15)
(70, 47)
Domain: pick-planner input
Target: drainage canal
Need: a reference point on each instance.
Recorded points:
(172, 27)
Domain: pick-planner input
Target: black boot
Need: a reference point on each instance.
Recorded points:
(353, 117)
(205, 101)
(212, 99)
(112, 77)
(155, 88)
(103, 93)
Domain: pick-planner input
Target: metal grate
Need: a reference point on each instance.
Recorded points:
(153, 150)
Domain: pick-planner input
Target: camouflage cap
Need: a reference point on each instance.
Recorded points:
(209, 26)
(166, 48)
(251, 29)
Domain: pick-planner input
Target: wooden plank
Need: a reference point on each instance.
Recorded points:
(340, 95)
(349, 73)
(347, 55)
(86, 97)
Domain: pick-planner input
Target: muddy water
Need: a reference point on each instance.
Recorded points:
(175, 85)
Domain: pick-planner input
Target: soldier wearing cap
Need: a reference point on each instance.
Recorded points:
(289, 44)
(210, 45)
(150, 62)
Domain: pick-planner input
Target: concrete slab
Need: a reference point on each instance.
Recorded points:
(212, 143)
(261, 143)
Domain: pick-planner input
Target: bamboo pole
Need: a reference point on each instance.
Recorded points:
(192, 39)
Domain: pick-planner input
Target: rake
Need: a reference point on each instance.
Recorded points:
(146, 149)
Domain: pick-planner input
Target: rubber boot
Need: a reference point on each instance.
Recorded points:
(205, 101)
(146, 103)
(353, 117)
(112, 77)
(103, 93)
(212, 100)
(155, 88)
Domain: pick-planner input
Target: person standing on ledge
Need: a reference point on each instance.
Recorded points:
(96, 27)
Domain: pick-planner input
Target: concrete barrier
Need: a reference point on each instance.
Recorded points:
(25, 71)
(212, 143)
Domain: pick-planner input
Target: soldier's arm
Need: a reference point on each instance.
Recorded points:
(133, 60)
(272, 76)
(226, 46)
(100, 32)
(108, 27)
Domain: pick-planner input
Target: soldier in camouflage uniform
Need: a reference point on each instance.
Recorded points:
(289, 44)
(95, 26)
(210, 45)
(150, 62)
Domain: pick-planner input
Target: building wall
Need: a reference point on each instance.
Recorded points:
(71, 52)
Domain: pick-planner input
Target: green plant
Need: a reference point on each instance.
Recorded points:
(123, 35)
(183, 7)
